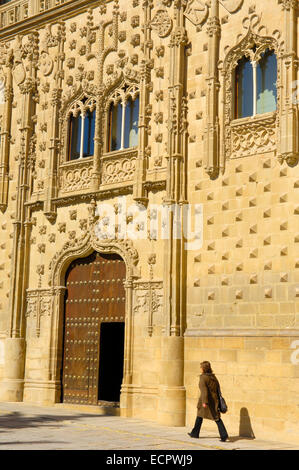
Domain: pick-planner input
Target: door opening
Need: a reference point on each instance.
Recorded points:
(112, 337)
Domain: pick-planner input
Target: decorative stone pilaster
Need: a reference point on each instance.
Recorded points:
(139, 192)
(126, 393)
(211, 149)
(26, 157)
(5, 132)
(171, 402)
(289, 141)
(55, 102)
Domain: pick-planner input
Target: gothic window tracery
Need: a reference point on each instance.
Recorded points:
(251, 77)
(123, 118)
(81, 129)
(255, 84)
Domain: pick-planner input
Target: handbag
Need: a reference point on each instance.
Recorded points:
(222, 403)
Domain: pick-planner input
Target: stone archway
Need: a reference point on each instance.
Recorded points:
(94, 321)
(81, 248)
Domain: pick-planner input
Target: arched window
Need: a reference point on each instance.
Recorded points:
(123, 122)
(244, 89)
(81, 130)
(255, 85)
(131, 122)
(266, 75)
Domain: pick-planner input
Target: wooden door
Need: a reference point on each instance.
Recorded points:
(95, 294)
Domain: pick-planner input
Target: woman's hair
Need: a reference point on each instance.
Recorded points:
(206, 367)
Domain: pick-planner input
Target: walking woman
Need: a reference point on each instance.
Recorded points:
(208, 403)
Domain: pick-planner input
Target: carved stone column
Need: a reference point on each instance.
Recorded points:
(102, 53)
(14, 343)
(289, 140)
(211, 148)
(55, 102)
(11, 388)
(171, 404)
(56, 340)
(172, 393)
(145, 74)
(126, 394)
(5, 134)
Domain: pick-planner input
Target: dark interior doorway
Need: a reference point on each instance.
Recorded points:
(112, 337)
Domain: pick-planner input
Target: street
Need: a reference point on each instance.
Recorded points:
(28, 427)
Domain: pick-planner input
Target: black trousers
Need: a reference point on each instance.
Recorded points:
(221, 428)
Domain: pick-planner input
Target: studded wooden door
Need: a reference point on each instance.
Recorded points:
(95, 294)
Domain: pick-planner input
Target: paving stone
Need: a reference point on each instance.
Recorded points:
(23, 426)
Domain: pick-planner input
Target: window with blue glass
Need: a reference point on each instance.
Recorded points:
(255, 85)
(123, 124)
(244, 88)
(81, 134)
(266, 76)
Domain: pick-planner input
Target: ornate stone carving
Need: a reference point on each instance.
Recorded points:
(46, 64)
(75, 176)
(80, 247)
(197, 11)
(288, 4)
(119, 168)
(265, 136)
(232, 5)
(148, 298)
(38, 305)
(161, 23)
(250, 138)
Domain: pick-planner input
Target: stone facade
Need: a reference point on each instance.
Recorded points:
(234, 299)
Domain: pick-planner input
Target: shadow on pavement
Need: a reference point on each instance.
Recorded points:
(13, 443)
(240, 438)
(17, 420)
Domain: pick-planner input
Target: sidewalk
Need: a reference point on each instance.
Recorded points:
(29, 427)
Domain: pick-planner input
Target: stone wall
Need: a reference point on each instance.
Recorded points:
(258, 381)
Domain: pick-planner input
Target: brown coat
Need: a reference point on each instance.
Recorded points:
(208, 385)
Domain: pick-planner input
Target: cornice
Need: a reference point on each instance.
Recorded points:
(38, 20)
(241, 332)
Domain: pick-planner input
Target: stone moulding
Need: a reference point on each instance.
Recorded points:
(98, 195)
(79, 248)
(224, 332)
(85, 245)
(13, 17)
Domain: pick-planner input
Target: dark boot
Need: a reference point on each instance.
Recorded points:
(222, 430)
(196, 430)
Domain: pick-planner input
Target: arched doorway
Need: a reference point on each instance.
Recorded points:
(94, 324)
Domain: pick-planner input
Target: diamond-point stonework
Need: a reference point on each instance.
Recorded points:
(148, 203)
